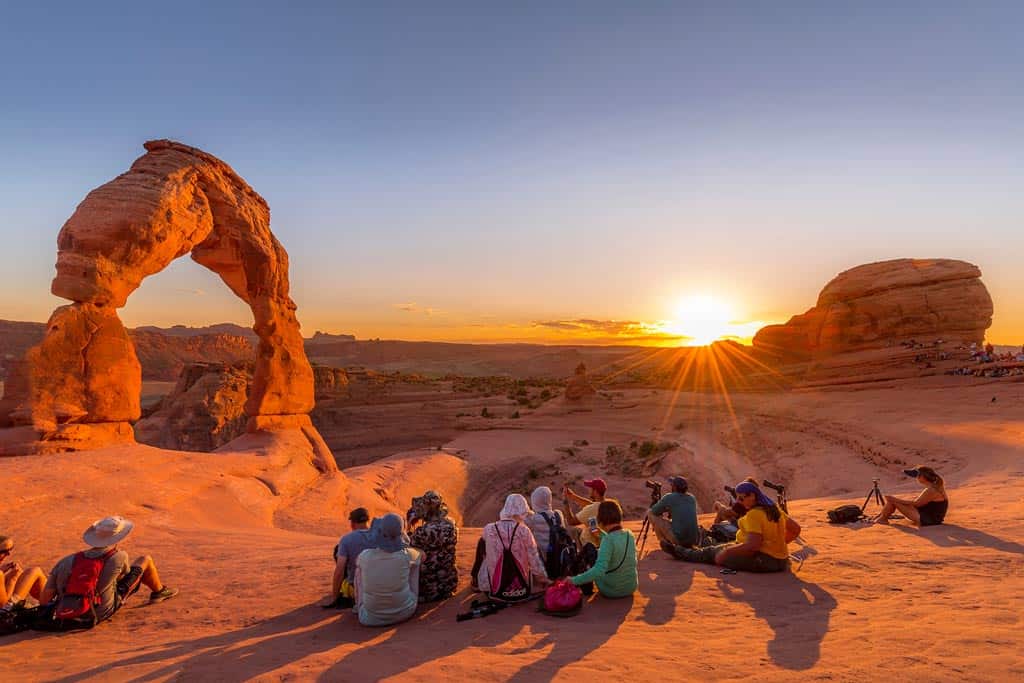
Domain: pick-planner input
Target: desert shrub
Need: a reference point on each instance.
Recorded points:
(647, 449)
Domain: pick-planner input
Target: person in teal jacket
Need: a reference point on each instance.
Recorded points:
(614, 572)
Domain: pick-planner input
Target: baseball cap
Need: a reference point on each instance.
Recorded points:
(359, 515)
(678, 483)
(912, 473)
(596, 484)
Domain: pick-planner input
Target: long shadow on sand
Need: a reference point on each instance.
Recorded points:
(240, 654)
(798, 613)
(661, 609)
(434, 635)
(955, 536)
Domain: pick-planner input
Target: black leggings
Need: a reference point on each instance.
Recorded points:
(478, 561)
(759, 562)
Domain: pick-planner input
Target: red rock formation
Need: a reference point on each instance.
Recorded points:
(173, 201)
(579, 386)
(328, 380)
(205, 410)
(882, 304)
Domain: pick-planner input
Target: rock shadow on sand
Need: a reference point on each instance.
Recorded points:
(242, 654)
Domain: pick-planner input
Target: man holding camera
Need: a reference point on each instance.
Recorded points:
(682, 509)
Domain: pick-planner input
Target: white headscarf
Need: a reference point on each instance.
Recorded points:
(541, 499)
(515, 508)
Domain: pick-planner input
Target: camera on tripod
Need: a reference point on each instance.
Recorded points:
(731, 490)
(655, 487)
(780, 494)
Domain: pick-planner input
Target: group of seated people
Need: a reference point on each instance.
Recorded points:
(383, 573)
(84, 588)
(521, 553)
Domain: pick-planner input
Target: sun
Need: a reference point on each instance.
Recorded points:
(703, 318)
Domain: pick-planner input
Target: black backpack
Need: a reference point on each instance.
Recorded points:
(560, 555)
(845, 514)
(508, 583)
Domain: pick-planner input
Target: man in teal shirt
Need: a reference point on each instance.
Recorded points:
(682, 508)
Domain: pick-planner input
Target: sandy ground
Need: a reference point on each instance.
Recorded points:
(248, 540)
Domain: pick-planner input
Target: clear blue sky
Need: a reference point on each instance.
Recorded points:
(463, 170)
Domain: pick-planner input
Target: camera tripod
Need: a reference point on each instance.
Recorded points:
(645, 528)
(877, 493)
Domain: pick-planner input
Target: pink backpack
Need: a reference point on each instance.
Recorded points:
(562, 596)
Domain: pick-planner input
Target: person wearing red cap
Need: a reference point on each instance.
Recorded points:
(587, 515)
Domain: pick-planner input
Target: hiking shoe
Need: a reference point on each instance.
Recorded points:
(165, 593)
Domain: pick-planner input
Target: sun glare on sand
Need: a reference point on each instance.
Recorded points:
(703, 319)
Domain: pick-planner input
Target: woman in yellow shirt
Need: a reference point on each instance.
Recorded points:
(761, 542)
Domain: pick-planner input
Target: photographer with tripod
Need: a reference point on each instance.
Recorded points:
(681, 507)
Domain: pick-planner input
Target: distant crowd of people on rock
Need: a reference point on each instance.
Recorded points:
(385, 567)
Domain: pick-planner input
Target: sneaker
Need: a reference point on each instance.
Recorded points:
(165, 593)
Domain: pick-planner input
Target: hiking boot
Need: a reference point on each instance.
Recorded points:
(165, 593)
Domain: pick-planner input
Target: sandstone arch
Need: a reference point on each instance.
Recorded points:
(84, 378)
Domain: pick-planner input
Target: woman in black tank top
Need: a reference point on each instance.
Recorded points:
(930, 506)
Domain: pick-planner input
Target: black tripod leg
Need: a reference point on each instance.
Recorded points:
(866, 501)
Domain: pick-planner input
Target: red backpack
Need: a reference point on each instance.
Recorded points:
(78, 602)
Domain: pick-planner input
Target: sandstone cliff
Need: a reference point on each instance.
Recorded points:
(205, 410)
(879, 305)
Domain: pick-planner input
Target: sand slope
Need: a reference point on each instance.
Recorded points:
(868, 602)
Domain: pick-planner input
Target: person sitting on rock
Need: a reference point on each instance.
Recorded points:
(345, 553)
(507, 565)
(114, 580)
(16, 582)
(387, 575)
(437, 536)
(549, 531)
(614, 571)
(761, 542)
(585, 520)
(731, 513)
(930, 506)
(682, 509)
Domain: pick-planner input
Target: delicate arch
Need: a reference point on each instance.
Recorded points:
(174, 200)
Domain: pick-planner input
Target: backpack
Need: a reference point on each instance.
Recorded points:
(560, 555)
(508, 582)
(845, 514)
(562, 598)
(76, 607)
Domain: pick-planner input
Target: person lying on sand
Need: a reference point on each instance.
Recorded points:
(930, 506)
(614, 572)
(681, 507)
(17, 583)
(437, 536)
(585, 520)
(345, 553)
(507, 565)
(91, 586)
(761, 542)
(387, 575)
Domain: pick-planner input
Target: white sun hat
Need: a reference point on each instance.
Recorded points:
(107, 531)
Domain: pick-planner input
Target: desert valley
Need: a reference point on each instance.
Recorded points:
(511, 342)
(241, 500)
